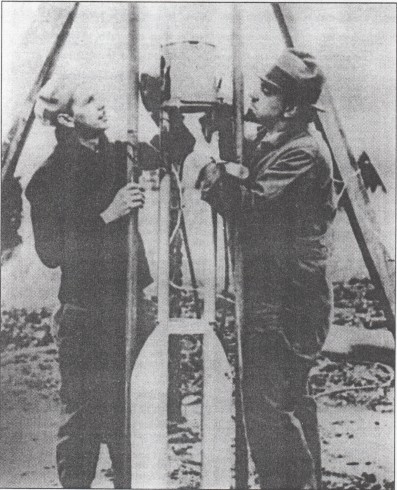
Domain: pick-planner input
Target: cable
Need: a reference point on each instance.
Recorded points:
(178, 222)
(178, 228)
(179, 184)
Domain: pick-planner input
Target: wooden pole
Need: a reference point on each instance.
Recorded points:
(132, 269)
(238, 105)
(12, 147)
(164, 213)
(355, 201)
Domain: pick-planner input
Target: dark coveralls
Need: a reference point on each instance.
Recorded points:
(67, 195)
(283, 212)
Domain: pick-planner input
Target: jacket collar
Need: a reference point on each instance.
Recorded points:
(70, 150)
(266, 143)
(67, 139)
(275, 140)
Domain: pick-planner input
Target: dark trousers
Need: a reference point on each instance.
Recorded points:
(281, 418)
(92, 383)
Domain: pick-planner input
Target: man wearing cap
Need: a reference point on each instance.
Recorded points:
(80, 203)
(282, 211)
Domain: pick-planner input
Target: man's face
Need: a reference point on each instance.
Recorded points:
(267, 105)
(89, 112)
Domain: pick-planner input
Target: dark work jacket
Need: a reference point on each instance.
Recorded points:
(282, 213)
(67, 195)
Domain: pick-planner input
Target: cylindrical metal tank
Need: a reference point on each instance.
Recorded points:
(193, 69)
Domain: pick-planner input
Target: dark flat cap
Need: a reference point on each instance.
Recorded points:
(297, 74)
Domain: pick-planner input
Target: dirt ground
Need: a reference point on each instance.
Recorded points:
(357, 436)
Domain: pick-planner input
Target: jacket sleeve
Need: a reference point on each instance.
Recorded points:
(90, 208)
(46, 221)
(293, 169)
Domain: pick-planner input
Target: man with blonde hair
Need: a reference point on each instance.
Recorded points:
(80, 206)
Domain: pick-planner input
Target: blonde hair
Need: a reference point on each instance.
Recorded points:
(56, 97)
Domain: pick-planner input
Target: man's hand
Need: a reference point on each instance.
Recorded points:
(209, 174)
(213, 171)
(127, 198)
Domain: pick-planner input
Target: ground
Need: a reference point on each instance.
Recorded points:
(355, 399)
(356, 438)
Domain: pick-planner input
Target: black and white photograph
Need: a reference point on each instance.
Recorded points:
(198, 245)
